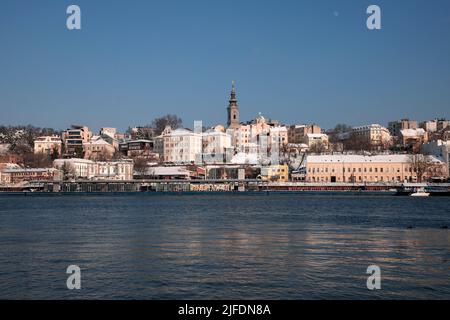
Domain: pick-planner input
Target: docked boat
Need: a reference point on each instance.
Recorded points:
(423, 190)
(420, 192)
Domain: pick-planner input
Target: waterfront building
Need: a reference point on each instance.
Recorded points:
(275, 173)
(168, 173)
(74, 138)
(95, 170)
(362, 169)
(47, 145)
(113, 170)
(75, 167)
(440, 149)
(395, 127)
(18, 175)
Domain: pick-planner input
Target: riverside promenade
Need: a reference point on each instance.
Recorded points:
(208, 185)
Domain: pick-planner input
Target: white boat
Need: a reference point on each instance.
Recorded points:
(420, 192)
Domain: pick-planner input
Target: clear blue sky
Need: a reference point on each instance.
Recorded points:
(295, 61)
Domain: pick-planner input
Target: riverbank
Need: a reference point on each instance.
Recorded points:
(212, 186)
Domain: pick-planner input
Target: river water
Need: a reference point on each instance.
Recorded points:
(224, 246)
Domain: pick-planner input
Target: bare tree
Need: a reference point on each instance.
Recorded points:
(141, 166)
(159, 124)
(39, 160)
(67, 171)
(357, 143)
(317, 147)
(424, 166)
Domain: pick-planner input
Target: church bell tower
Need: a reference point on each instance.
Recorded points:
(233, 109)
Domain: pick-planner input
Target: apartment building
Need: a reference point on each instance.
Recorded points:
(98, 149)
(74, 138)
(395, 127)
(297, 133)
(216, 144)
(47, 145)
(373, 134)
(181, 146)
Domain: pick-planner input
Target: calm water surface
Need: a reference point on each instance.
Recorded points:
(224, 246)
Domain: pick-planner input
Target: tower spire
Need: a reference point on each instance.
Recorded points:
(233, 109)
(233, 100)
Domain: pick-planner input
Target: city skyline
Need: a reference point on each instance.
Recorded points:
(313, 63)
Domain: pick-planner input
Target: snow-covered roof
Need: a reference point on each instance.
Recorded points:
(244, 158)
(99, 141)
(136, 141)
(278, 129)
(71, 160)
(9, 165)
(373, 126)
(167, 171)
(316, 135)
(412, 132)
(390, 158)
(15, 170)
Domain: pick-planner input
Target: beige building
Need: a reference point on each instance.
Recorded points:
(297, 133)
(435, 125)
(260, 131)
(362, 169)
(74, 138)
(47, 145)
(413, 138)
(374, 134)
(111, 132)
(276, 173)
(315, 139)
(248, 133)
(429, 126)
(17, 175)
(98, 149)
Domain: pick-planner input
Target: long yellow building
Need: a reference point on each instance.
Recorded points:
(360, 168)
